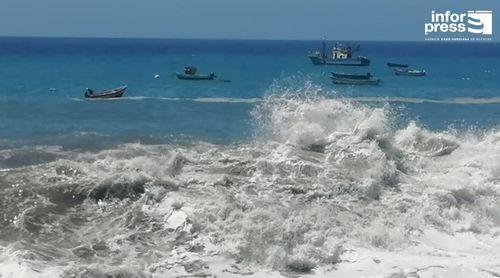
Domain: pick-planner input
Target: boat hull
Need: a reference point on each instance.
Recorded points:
(194, 77)
(347, 81)
(394, 65)
(358, 61)
(115, 93)
(352, 76)
(409, 73)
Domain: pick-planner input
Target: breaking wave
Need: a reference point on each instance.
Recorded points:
(327, 183)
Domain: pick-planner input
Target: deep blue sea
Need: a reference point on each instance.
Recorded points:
(43, 81)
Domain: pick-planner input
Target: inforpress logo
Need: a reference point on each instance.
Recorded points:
(480, 22)
(464, 26)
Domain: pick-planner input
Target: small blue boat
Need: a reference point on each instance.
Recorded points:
(190, 74)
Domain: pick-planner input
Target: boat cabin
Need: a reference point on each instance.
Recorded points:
(190, 70)
(341, 53)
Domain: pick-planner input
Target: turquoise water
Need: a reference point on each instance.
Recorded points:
(43, 80)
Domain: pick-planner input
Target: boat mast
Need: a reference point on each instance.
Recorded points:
(323, 52)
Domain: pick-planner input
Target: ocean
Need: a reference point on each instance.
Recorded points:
(278, 172)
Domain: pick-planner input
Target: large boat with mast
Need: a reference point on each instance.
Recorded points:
(341, 55)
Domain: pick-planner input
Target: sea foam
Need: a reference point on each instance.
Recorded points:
(327, 186)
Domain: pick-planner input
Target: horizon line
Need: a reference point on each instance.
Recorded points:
(230, 39)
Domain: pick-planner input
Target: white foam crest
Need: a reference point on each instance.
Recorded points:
(13, 265)
(415, 139)
(305, 117)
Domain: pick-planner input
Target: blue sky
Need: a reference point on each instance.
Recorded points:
(230, 19)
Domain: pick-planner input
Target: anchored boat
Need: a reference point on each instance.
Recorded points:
(190, 74)
(409, 72)
(340, 56)
(114, 93)
(354, 79)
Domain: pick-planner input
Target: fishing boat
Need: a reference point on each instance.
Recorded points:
(351, 76)
(341, 55)
(190, 73)
(394, 65)
(349, 81)
(409, 72)
(114, 93)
